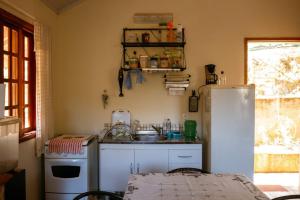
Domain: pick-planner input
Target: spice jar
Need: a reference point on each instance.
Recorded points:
(133, 61)
(144, 61)
(164, 62)
(145, 37)
(154, 61)
(177, 62)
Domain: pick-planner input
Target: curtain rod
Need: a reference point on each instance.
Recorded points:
(21, 11)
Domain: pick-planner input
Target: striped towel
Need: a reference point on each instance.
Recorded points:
(70, 145)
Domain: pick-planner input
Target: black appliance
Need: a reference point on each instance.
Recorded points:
(211, 77)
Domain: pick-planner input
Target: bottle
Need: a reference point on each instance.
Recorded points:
(167, 125)
(159, 35)
(179, 33)
(222, 78)
(170, 33)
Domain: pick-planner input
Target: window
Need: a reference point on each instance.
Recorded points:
(17, 71)
(273, 65)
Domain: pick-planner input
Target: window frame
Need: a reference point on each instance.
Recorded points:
(261, 39)
(24, 29)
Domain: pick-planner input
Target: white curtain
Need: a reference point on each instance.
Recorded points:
(44, 115)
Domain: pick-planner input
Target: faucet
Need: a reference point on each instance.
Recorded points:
(158, 129)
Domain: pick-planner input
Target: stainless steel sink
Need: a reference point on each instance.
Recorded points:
(148, 136)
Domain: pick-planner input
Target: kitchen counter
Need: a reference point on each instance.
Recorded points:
(110, 140)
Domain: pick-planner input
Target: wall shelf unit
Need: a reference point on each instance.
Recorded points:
(148, 69)
(153, 44)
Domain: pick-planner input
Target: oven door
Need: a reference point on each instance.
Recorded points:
(66, 175)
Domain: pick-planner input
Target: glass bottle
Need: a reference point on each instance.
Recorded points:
(179, 33)
(222, 78)
(167, 125)
(170, 33)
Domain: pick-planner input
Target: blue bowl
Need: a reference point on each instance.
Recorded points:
(174, 135)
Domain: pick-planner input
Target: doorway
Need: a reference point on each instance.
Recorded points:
(273, 65)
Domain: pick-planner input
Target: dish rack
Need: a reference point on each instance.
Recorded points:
(177, 83)
(126, 129)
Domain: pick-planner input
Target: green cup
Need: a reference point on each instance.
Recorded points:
(190, 129)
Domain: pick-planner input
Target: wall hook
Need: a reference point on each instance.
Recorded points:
(104, 98)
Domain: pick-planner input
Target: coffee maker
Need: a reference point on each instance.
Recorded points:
(211, 77)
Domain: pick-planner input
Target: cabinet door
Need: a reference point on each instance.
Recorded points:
(151, 160)
(115, 167)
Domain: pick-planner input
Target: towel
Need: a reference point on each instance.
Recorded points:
(139, 77)
(70, 145)
(127, 80)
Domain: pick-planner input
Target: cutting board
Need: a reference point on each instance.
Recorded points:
(121, 116)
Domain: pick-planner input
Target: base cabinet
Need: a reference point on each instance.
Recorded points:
(151, 160)
(115, 167)
(118, 161)
(185, 158)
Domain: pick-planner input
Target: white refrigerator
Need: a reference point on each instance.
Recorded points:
(227, 124)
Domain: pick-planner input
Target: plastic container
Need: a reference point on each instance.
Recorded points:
(174, 135)
(190, 129)
(9, 144)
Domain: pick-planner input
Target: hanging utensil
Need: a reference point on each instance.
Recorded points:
(120, 79)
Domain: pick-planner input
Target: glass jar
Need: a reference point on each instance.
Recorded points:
(133, 62)
(164, 62)
(144, 61)
(145, 37)
(154, 61)
(177, 62)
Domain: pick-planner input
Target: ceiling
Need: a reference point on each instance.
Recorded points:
(59, 6)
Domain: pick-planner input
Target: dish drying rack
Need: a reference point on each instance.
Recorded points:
(129, 130)
(177, 83)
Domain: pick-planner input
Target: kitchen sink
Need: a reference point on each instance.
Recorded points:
(148, 136)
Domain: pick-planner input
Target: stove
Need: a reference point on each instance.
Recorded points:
(69, 174)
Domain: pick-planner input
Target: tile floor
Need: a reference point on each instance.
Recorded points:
(289, 181)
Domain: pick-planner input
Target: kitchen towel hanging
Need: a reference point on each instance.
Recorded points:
(177, 83)
(61, 145)
(128, 78)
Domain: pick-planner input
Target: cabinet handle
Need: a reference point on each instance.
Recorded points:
(138, 168)
(184, 156)
(131, 168)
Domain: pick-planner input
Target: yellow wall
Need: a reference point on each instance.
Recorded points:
(88, 52)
